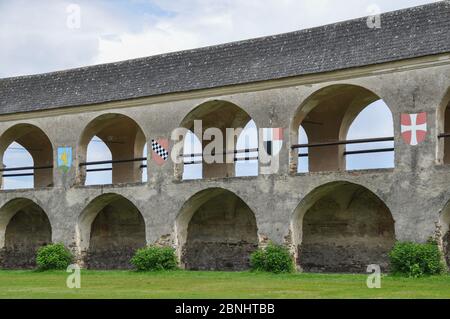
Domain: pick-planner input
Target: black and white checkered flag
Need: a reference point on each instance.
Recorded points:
(161, 151)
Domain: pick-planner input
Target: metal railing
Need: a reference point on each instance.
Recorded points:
(86, 164)
(23, 168)
(444, 135)
(192, 156)
(347, 142)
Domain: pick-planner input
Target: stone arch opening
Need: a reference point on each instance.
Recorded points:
(216, 117)
(444, 223)
(97, 151)
(381, 122)
(109, 230)
(443, 124)
(326, 116)
(247, 163)
(24, 228)
(303, 163)
(144, 173)
(31, 141)
(342, 227)
(216, 230)
(192, 151)
(124, 139)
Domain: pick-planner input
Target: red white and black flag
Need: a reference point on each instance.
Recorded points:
(160, 150)
(273, 140)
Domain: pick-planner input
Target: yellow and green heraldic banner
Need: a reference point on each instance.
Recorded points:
(64, 158)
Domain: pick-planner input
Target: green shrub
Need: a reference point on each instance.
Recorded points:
(274, 258)
(154, 258)
(416, 260)
(53, 256)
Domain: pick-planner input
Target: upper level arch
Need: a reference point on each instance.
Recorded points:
(125, 140)
(34, 141)
(443, 129)
(373, 121)
(326, 116)
(217, 124)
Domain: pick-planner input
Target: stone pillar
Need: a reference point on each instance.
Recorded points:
(123, 172)
(223, 168)
(43, 177)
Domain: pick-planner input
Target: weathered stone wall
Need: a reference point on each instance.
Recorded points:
(221, 235)
(446, 242)
(116, 233)
(346, 231)
(415, 191)
(27, 231)
(218, 256)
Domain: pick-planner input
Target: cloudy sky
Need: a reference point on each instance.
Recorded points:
(41, 36)
(48, 35)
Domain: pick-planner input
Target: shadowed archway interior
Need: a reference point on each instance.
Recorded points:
(445, 232)
(446, 242)
(446, 127)
(25, 228)
(343, 227)
(216, 231)
(110, 230)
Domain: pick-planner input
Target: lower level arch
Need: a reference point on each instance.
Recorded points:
(342, 227)
(445, 232)
(110, 230)
(24, 228)
(216, 230)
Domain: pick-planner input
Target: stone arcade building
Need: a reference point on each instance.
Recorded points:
(331, 218)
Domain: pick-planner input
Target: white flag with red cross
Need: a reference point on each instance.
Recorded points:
(414, 128)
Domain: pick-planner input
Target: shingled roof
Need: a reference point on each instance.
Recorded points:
(404, 34)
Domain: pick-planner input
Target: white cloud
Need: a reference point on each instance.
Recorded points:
(35, 37)
(150, 42)
(195, 23)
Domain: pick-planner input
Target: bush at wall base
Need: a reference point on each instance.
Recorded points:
(53, 257)
(154, 258)
(273, 258)
(416, 260)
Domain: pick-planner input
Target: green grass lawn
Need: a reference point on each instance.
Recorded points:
(185, 284)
